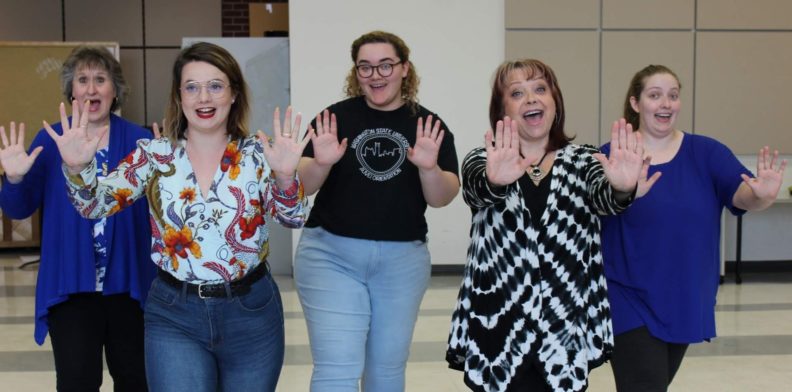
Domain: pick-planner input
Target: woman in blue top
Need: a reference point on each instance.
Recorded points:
(94, 273)
(663, 297)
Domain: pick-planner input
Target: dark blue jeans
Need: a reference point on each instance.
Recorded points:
(214, 344)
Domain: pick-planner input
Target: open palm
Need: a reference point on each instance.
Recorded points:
(76, 146)
(283, 152)
(769, 175)
(14, 160)
(625, 164)
(428, 138)
(327, 149)
(505, 165)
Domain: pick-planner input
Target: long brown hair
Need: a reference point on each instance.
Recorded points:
(637, 85)
(534, 69)
(409, 86)
(175, 121)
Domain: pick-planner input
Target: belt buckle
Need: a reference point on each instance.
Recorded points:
(200, 291)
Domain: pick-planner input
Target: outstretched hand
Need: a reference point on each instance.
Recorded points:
(283, 151)
(14, 160)
(505, 165)
(428, 139)
(769, 175)
(625, 164)
(327, 149)
(76, 146)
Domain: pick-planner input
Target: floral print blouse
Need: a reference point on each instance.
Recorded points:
(196, 239)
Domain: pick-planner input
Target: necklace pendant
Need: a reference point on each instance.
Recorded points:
(535, 173)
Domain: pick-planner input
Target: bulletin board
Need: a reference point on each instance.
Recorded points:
(30, 88)
(30, 91)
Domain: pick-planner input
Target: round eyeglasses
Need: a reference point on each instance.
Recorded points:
(384, 69)
(215, 88)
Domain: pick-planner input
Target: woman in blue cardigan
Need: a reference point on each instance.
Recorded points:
(94, 274)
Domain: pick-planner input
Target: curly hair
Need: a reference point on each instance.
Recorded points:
(409, 86)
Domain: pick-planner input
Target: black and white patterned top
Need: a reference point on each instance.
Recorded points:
(534, 295)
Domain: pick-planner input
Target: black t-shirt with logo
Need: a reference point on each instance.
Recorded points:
(374, 192)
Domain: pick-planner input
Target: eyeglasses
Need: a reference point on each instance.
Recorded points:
(384, 69)
(215, 88)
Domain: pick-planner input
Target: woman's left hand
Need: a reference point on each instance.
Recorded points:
(284, 150)
(428, 138)
(624, 165)
(769, 175)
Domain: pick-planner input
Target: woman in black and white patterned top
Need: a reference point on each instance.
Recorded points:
(532, 312)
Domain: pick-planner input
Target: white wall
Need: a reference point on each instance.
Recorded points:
(456, 46)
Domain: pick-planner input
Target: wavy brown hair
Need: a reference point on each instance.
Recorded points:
(534, 69)
(637, 85)
(94, 57)
(176, 123)
(409, 86)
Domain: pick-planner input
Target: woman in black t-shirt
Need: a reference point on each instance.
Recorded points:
(362, 266)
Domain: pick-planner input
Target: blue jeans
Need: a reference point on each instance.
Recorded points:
(213, 344)
(361, 300)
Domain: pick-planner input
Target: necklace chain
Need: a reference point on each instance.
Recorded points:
(536, 173)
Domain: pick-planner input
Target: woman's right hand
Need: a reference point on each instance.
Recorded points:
(505, 165)
(14, 160)
(76, 147)
(327, 149)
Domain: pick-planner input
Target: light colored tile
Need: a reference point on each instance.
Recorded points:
(168, 21)
(573, 56)
(132, 64)
(733, 374)
(668, 14)
(731, 65)
(159, 65)
(626, 52)
(744, 14)
(17, 306)
(19, 337)
(552, 14)
(16, 17)
(100, 20)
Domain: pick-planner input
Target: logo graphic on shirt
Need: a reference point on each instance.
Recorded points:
(381, 152)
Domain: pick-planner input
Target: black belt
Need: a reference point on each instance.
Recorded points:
(218, 290)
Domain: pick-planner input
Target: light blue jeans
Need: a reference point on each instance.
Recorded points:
(361, 300)
(213, 344)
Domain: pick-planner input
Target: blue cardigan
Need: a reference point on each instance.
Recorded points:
(67, 243)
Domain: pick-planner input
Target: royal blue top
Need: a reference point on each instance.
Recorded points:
(67, 241)
(662, 255)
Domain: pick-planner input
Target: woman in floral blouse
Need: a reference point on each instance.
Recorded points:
(213, 320)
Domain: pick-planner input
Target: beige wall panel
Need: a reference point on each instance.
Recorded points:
(742, 93)
(573, 56)
(667, 14)
(102, 20)
(744, 14)
(168, 21)
(528, 14)
(30, 20)
(159, 63)
(626, 52)
(132, 64)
